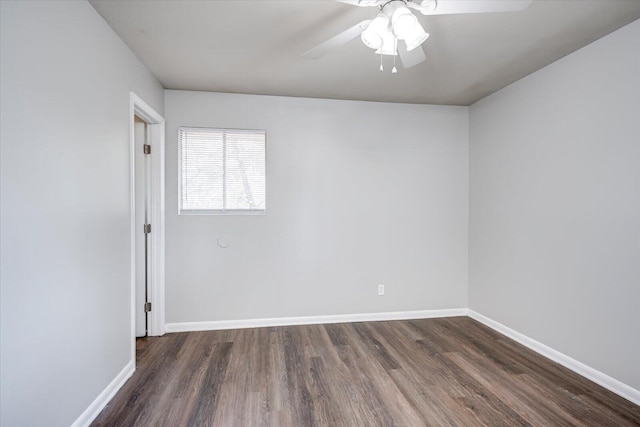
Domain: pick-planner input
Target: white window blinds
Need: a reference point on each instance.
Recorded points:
(221, 171)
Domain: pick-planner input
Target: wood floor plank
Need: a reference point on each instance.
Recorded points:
(324, 403)
(232, 405)
(298, 387)
(180, 395)
(205, 408)
(432, 372)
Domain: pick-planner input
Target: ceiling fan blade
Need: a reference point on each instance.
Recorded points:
(337, 41)
(410, 58)
(450, 7)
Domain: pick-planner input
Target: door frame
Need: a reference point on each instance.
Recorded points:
(155, 127)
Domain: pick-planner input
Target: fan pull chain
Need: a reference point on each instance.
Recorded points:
(394, 70)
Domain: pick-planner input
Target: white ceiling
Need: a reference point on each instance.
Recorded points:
(254, 47)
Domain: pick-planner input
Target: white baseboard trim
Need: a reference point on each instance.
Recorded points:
(580, 368)
(312, 320)
(105, 397)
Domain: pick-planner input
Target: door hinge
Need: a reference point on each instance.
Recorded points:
(147, 307)
(147, 228)
(147, 149)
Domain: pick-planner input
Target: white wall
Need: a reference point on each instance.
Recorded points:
(555, 205)
(357, 194)
(65, 276)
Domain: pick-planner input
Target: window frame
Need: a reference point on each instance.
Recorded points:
(239, 212)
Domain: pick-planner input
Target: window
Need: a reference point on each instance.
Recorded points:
(222, 171)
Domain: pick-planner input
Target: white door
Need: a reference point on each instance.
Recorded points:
(142, 211)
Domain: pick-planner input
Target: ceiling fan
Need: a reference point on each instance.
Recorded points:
(395, 30)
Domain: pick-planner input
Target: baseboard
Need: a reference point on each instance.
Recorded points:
(312, 320)
(580, 368)
(105, 397)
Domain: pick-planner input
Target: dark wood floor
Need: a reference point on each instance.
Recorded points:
(452, 371)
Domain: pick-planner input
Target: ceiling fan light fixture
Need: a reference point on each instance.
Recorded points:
(373, 35)
(416, 38)
(403, 22)
(389, 44)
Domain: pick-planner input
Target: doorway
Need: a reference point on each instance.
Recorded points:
(146, 174)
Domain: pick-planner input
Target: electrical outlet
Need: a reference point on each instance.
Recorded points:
(380, 289)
